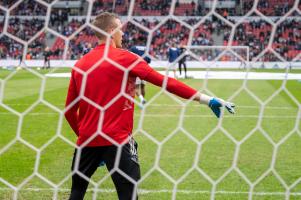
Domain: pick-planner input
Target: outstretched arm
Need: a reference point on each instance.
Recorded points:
(182, 90)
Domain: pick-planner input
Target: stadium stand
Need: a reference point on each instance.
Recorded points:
(28, 8)
(25, 28)
(7, 3)
(10, 49)
(271, 7)
(27, 19)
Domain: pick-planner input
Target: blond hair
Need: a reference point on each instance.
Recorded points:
(104, 21)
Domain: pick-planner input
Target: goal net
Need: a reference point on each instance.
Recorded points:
(247, 52)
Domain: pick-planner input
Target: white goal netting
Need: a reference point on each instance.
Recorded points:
(243, 51)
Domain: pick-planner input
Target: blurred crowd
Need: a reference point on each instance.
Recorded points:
(29, 8)
(251, 32)
(25, 28)
(270, 7)
(10, 48)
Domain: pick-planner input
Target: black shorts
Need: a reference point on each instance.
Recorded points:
(125, 174)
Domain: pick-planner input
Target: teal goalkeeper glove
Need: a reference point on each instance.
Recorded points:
(216, 103)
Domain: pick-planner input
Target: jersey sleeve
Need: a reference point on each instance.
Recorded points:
(173, 86)
(141, 69)
(137, 65)
(145, 72)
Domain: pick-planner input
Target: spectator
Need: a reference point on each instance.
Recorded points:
(182, 61)
(47, 55)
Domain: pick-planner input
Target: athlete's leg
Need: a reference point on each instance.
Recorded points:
(185, 69)
(142, 89)
(180, 67)
(127, 156)
(89, 160)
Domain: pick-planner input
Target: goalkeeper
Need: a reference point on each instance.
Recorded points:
(103, 121)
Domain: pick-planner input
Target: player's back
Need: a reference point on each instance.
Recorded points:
(139, 50)
(103, 87)
(173, 54)
(105, 79)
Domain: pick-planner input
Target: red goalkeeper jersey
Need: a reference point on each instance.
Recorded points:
(104, 106)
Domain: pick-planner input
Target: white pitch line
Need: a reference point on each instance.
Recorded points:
(239, 106)
(231, 75)
(225, 116)
(144, 191)
(32, 114)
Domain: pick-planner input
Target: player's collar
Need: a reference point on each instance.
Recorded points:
(102, 46)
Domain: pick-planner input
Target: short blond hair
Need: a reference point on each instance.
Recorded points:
(104, 21)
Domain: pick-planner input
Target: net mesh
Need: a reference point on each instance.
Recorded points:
(240, 157)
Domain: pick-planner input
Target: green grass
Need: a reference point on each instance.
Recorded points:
(178, 155)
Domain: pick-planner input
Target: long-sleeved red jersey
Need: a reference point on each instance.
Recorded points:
(106, 85)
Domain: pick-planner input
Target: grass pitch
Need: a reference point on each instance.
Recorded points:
(184, 150)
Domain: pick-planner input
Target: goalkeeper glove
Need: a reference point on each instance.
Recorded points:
(216, 103)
